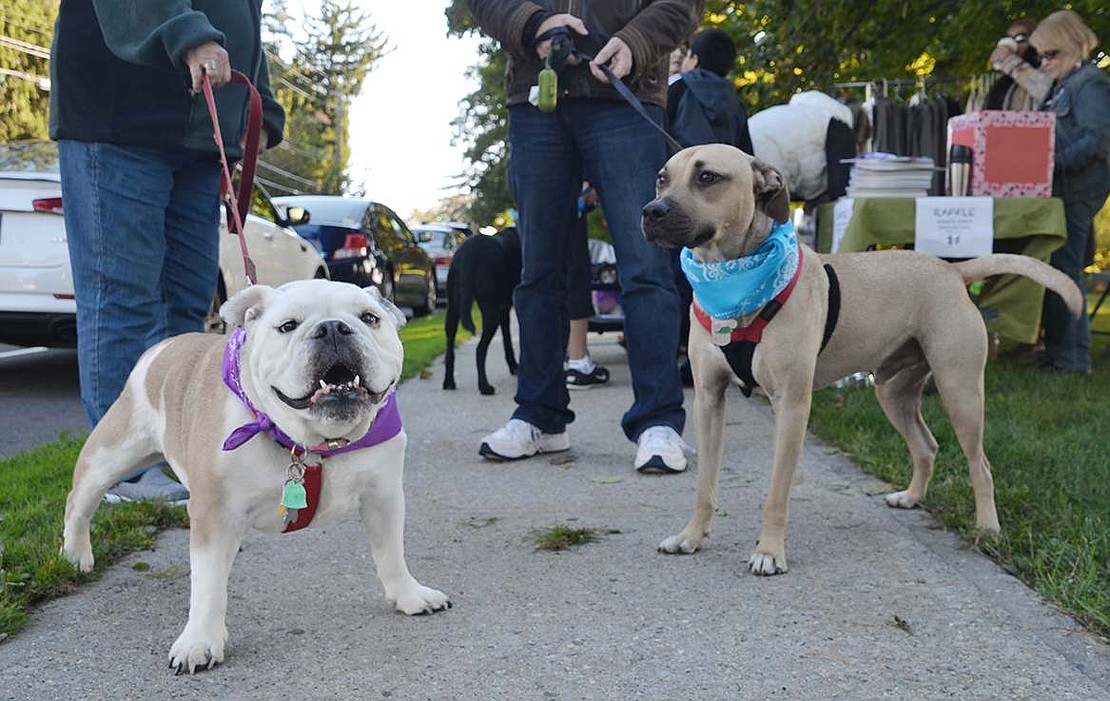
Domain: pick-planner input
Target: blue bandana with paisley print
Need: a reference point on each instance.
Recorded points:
(741, 286)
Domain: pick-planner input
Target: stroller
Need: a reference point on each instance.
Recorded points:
(605, 288)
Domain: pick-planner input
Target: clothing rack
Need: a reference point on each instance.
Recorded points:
(920, 83)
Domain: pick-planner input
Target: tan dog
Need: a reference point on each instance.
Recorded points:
(321, 359)
(903, 316)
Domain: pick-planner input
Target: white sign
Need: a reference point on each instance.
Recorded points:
(955, 227)
(842, 214)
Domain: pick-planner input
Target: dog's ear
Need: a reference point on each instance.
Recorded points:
(390, 307)
(771, 194)
(247, 305)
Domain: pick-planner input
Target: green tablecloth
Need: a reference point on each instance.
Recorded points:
(1032, 226)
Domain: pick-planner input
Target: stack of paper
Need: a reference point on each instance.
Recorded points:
(886, 175)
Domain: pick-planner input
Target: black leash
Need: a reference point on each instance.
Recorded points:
(630, 98)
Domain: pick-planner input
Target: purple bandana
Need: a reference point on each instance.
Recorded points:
(387, 423)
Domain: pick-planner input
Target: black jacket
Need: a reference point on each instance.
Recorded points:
(703, 108)
(650, 28)
(118, 74)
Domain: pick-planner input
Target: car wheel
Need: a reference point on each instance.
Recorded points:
(430, 299)
(213, 323)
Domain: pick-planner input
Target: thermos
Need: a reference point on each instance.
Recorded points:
(959, 170)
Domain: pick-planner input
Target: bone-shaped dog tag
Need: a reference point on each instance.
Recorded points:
(720, 331)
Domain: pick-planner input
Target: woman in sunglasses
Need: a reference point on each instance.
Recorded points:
(1080, 97)
(1022, 86)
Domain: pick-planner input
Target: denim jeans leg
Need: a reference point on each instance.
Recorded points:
(622, 153)
(191, 267)
(545, 179)
(114, 202)
(1067, 340)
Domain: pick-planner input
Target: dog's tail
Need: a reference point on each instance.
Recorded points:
(1041, 273)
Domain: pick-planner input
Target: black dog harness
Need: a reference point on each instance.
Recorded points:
(743, 340)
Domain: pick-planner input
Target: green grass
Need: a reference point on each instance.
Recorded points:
(1051, 472)
(33, 488)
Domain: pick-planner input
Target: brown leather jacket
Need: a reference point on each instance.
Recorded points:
(651, 28)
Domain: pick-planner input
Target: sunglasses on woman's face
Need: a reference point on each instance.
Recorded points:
(1049, 55)
(1019, 38)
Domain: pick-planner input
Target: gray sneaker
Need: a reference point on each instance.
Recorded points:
(152, 485)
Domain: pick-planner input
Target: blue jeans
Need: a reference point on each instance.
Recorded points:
(142, 226)
(612, 146)
(1067, 340)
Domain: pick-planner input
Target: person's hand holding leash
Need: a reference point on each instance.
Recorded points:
(543, 48)
(615, 53)
(210, 58)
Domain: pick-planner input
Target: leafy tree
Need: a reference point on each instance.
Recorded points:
(331, 59)
(26, 29)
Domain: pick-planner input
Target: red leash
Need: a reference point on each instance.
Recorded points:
(237, 207)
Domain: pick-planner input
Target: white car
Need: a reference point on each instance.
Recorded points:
(37, 306)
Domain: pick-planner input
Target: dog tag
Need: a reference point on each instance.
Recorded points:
(293, 495)
(721, 331)
(291, 516)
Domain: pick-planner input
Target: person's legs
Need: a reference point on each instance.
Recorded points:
(544, 180)
(1067, 340)
(191, 267)
(115, 201)
(582, 372)
(622, 152)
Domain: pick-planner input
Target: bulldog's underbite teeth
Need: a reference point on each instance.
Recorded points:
(338, 383)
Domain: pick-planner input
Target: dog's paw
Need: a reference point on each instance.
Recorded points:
(900, 500)
(448, 384)
(422, 600)
(512, 369)
(767, 564)
(195, 652)
(487, 390)
(79, 557)
(681, 544)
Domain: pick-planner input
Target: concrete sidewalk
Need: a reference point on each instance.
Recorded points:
(878, 603)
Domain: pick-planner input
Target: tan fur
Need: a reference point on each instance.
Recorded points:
(176, 405)
(904, 316)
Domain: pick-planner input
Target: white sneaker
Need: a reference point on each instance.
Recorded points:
(519, 439)
(661, 450)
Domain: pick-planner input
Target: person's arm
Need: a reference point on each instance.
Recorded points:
(659, 28)
(511, 22)
(154, 32)
(675, 91)
(1035, 81)
(1091, 139)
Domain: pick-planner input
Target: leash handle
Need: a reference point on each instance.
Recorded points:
(237, 207)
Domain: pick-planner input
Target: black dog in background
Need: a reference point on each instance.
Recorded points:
(484, 269)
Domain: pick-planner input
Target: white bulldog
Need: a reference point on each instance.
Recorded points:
(312, 364)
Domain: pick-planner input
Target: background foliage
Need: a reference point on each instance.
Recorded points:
(26, 30)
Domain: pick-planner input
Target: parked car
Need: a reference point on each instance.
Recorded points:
(440, 241)
(465, 229)
(37, 306)
(366, 243)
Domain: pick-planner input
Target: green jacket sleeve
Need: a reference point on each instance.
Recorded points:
(273, 114)
(153, 32)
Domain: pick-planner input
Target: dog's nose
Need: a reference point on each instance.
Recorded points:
(333, 327)
(656, 210)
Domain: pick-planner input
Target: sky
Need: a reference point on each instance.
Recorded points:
(400, 135)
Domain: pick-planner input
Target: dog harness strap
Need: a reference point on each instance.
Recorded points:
(313, 480)
(739, 356)
(834, 306)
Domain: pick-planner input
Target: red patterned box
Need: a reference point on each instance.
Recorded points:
(1012, 152)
